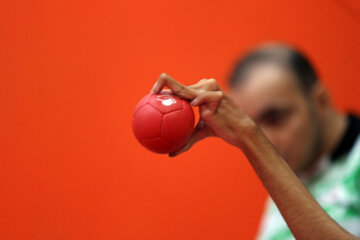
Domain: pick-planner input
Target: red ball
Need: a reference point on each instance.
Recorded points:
(163, 122)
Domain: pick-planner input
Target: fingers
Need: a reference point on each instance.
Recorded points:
(206, 85)
(211, 99)
(176, 87)
(200, 132)
(206, 94)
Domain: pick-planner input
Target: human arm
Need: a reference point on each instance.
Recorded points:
(221, 117)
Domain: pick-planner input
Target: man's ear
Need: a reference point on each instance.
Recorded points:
(321, 98)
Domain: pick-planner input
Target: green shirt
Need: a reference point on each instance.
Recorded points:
(336, 187)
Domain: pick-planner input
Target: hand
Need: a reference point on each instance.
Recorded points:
(220, 116)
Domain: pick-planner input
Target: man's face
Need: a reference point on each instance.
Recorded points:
(271, 96)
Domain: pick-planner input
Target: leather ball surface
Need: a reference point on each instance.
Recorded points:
(163, 122)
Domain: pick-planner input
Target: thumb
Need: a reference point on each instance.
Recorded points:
(200, 132)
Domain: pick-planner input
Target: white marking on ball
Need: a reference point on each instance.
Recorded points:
(166, 100)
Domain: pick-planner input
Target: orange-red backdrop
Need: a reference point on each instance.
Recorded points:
(71, 73)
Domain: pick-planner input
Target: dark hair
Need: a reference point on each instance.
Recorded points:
(283, 55)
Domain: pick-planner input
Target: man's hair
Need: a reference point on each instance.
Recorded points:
(283, 55)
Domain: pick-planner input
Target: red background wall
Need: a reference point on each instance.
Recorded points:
(71, 73)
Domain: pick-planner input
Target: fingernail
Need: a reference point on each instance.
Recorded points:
(194, 102)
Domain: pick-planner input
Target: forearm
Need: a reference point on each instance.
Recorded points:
(304, 216)
(220, 116)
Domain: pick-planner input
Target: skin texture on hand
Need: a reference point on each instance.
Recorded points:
(221, 117)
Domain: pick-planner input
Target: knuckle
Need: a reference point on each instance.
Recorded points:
(212, 82)
(163, 75)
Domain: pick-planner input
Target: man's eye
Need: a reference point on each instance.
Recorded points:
(275, 118)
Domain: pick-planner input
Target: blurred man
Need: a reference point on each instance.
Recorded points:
(279, 89)
(282, 118)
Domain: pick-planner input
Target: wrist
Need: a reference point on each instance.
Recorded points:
(247, 132)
